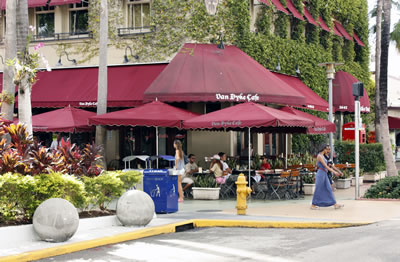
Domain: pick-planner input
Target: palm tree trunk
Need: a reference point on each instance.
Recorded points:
(102, 80)
(10, 53)
(24, 89)
(383, 88)
(377, 69)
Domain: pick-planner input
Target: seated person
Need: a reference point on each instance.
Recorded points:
(264, 163)
(190, 169)
(217, 169)
(225, 168)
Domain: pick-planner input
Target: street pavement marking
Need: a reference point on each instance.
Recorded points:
(165, 229)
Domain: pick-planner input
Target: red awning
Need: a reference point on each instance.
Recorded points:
(321, 126)
(309, 17)
(279, 6)
(323, 25)
(336, 31)
(203, 72)
(66, 119)
(313, 101)
(78, 86)
(342, 31)
(343, 99)
(394, 122)
(247, 114)
(31, 3)
(153, 114)
(358, 40)
(293, 10)
(64, 2)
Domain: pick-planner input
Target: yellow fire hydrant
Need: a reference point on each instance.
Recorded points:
(242, 192)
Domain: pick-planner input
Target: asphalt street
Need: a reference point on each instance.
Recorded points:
(375, 242)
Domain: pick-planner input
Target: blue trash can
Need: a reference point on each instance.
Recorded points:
(162, 188)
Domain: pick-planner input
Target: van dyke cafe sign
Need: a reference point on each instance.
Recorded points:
(238, 97)
(226, 123)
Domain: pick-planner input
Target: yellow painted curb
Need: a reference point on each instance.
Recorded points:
(170, 228)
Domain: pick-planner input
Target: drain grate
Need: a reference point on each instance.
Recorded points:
(210, 210)
(184, 227)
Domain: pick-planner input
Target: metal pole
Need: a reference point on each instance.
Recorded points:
(286, 149)
(331, 145)
(157, 146)
(357, 143)
(249, 159)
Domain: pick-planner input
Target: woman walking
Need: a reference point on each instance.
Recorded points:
(179, 166)
(323, 195)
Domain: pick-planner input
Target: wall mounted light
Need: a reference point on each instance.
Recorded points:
(298, 70)
(2, 59)
(211, 6)
(126, 60)
(70, 60)
(278, 66)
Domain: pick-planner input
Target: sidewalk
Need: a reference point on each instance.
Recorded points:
(20, 244)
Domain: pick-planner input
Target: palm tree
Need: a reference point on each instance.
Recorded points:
(377, 68)
(7, 106)
(383, 88)
(102, 80)
(24, 88)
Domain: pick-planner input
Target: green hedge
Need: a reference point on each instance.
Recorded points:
(371, 155)
(21, 195)
(388, 187)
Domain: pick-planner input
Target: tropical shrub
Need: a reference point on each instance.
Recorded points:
(389, 187)
(205, 181)
(371, 155)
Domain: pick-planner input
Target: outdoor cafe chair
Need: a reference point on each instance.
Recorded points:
(279, 186)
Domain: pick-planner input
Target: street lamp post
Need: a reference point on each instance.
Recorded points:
(358, 91)
(330, 73)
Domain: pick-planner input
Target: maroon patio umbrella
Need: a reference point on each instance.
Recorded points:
(250, 115)
(343, 99)
(68, 119)
(155, 114)
(321, 126)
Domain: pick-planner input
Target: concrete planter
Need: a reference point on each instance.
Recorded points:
(360, 181)
(206, 193)
(309, 189)
(373, 177)
(343, 183)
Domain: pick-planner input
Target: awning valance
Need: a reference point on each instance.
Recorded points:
(205, 73)
(78, 86)
(64, 2)
(293, 10)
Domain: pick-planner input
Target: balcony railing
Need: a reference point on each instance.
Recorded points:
(135, 30)
(62, 36)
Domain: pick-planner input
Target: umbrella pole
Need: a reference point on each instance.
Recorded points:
(249, 146)
(157, 146)
(286, 149)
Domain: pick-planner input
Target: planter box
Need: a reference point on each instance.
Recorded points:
(206, 193)
(309, 189)
(360, 181)
(374, 176)
(343, 183)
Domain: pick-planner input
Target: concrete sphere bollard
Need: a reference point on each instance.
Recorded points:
(135, 208)
(55, 220)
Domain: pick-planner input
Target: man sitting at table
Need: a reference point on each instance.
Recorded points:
(190, 168)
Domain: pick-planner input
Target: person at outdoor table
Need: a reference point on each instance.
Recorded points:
(225, 167)
(179, 167)
(217, 169)
(323, 195)
(190, 168)
(264, 163)
(56, 143)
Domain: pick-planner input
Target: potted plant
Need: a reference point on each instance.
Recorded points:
(309, 183)
(205, 187)
(344, 181)
(360, 178)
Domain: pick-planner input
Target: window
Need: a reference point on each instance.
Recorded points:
(45, 21)
(79, 18)
(138, 13)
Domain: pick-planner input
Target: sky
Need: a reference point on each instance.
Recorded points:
(394, 54)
